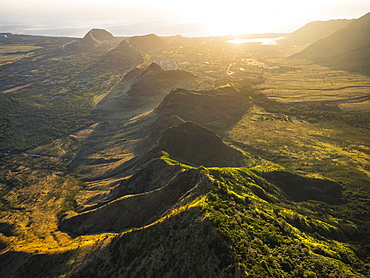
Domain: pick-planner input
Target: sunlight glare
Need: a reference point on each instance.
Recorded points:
(237, 17)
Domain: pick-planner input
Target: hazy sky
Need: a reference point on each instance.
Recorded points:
(166, 17)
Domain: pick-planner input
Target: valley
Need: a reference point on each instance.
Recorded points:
(181, 156)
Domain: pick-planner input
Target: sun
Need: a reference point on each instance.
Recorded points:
(235, 18)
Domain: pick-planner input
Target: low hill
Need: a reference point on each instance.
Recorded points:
(94, 39)
(147, 43)
(347, 49)
(156, 81)
(100, 34)
(313, 31)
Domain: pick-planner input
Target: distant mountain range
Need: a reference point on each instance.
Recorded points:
(313, 31)
(347, 48)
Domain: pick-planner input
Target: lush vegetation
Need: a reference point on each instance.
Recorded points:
(268, 239)
(236, 224)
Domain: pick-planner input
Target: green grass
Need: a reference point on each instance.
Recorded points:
(267, 239)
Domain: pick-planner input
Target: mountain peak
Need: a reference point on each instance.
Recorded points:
(153, 67)
(99, 34)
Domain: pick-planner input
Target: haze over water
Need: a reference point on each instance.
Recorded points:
(164, 17)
